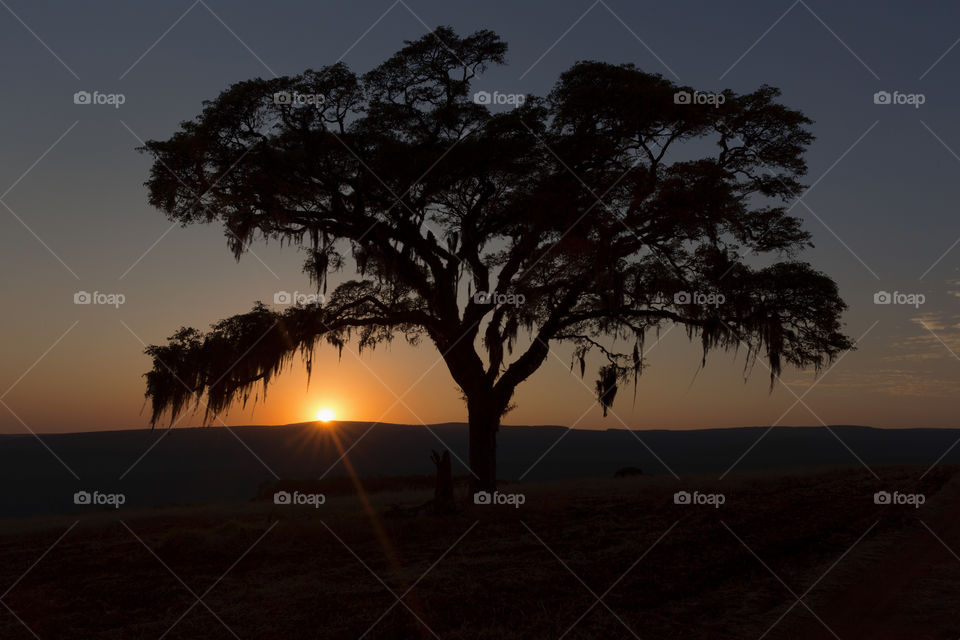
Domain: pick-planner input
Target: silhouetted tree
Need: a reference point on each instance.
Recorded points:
(583, 217)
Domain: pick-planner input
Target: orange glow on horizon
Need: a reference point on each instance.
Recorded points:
(326, 415)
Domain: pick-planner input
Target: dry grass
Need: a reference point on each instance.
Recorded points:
(501, 580)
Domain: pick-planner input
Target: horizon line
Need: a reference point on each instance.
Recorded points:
(465, 424)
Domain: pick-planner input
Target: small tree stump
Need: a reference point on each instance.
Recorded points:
(442, 502)
(443, 492)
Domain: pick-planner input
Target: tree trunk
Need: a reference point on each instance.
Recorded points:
(484, 423)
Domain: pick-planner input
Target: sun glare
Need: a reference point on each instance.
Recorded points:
(325, 415)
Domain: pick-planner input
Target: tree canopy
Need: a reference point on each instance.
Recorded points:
(591, 216)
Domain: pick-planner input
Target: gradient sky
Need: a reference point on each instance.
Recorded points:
(882, 209)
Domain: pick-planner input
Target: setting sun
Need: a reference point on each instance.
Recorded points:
(325, 415)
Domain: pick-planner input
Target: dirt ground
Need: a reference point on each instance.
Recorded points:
(787, 555)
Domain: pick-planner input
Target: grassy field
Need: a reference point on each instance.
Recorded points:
(585, 559)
